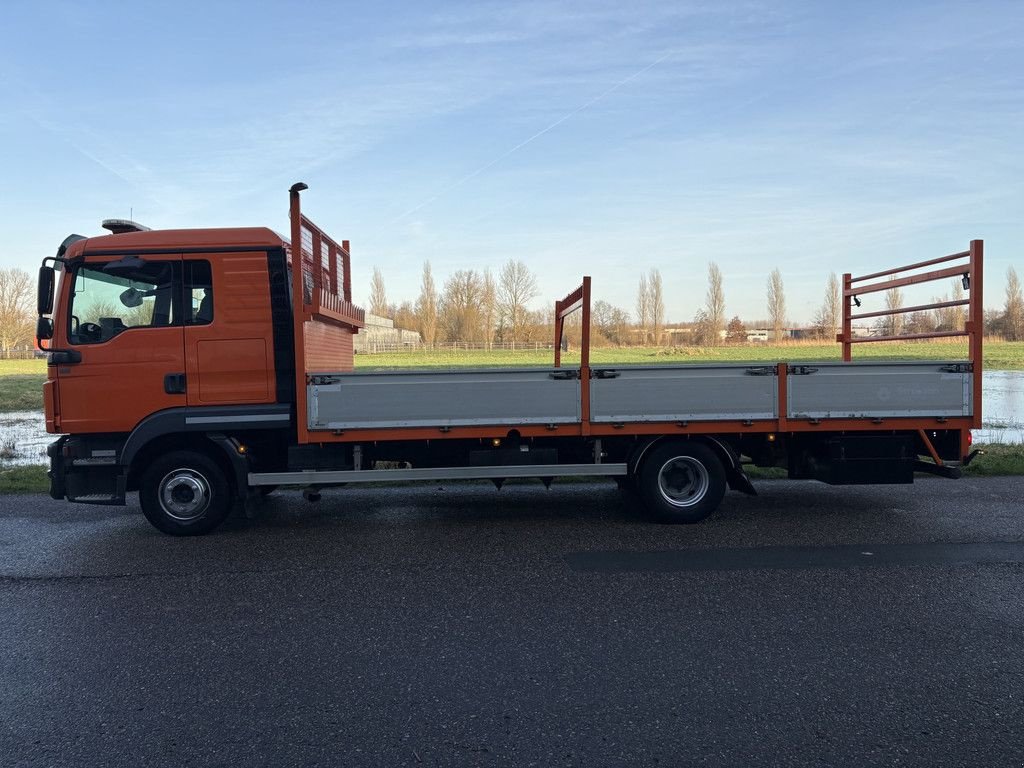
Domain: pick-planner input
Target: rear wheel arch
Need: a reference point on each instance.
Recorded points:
(728, 455)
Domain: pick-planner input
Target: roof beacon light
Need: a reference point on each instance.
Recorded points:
(121, 226)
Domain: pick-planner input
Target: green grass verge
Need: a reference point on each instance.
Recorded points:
(31, 479)
(21, 385)
(21, 392)
(999, 355)
(998, 460)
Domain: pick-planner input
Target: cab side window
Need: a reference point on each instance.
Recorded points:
(108, 299)
(198, 293)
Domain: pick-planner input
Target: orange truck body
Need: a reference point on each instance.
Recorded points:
(238, 324)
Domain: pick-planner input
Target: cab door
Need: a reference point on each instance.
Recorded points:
(229, 343)
(125, 341)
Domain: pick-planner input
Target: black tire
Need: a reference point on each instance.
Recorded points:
(681, 482)
(266, 490)
(185, 493)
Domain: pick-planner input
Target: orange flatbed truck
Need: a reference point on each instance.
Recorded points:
(202, 367)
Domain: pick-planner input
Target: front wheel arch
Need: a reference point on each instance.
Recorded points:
(226, 457)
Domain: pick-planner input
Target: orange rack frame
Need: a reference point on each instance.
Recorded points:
(968, 265)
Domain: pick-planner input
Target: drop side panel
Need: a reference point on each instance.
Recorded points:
(445, 398)
(858, 390)
(684, 393)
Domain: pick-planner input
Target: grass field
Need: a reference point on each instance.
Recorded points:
(999, 355)
(24, 480)
(21, 385)
(21, 380)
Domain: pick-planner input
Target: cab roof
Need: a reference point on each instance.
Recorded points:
(242, 238)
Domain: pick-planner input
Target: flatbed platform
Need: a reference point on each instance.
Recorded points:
(632, 394)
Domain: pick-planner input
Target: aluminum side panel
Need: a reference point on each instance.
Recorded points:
(880, 390)
(683, 394)
(443, 398)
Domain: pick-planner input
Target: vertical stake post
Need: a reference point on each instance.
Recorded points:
(976, 323)
(847, 321)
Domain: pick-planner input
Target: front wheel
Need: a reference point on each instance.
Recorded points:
(682, 482)
(185, 493)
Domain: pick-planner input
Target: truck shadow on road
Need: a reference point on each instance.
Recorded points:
(781, 503)
(421, 525)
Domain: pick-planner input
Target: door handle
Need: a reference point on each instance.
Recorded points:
(63, 357)
(174, 383)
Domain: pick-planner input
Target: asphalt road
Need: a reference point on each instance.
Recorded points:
(465, 626)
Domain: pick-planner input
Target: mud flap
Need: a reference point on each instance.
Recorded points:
(738, 481)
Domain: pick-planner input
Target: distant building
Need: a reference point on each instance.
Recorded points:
(380, 331)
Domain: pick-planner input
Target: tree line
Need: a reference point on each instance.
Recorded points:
(471, 305)
(481, 306)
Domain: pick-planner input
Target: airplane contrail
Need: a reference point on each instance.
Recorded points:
(535, 136)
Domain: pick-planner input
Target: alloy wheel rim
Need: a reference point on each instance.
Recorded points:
(683, 481)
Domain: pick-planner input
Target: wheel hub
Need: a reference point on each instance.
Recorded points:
(184, 494)
(683, 481)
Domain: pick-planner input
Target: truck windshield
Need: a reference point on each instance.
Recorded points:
(104, 305)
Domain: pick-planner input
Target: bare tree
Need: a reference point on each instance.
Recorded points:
(776, 304)
(830, 314)
(378, 296)
(538, 324)
(950, 318)
(920, 322)
(610, 322)
(1013, 310)
(426, 306)
(459, 311)
(714, 306)
(643, 309)
(404, 315)
(656, 302)
(516, 287)
(702, 329)
(959, 313)
(489, 308)
(736, 332)
(893, 324)
(16, 289)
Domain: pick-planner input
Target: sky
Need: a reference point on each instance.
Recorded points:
(600, 138)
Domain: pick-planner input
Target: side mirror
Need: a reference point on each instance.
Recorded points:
(44, 329)
(132, 297)
(44, 296)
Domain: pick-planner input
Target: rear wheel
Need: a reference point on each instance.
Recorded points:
(681, 482)
(185, 493)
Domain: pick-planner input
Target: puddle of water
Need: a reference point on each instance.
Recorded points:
(1002, 408)
(23, 437)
